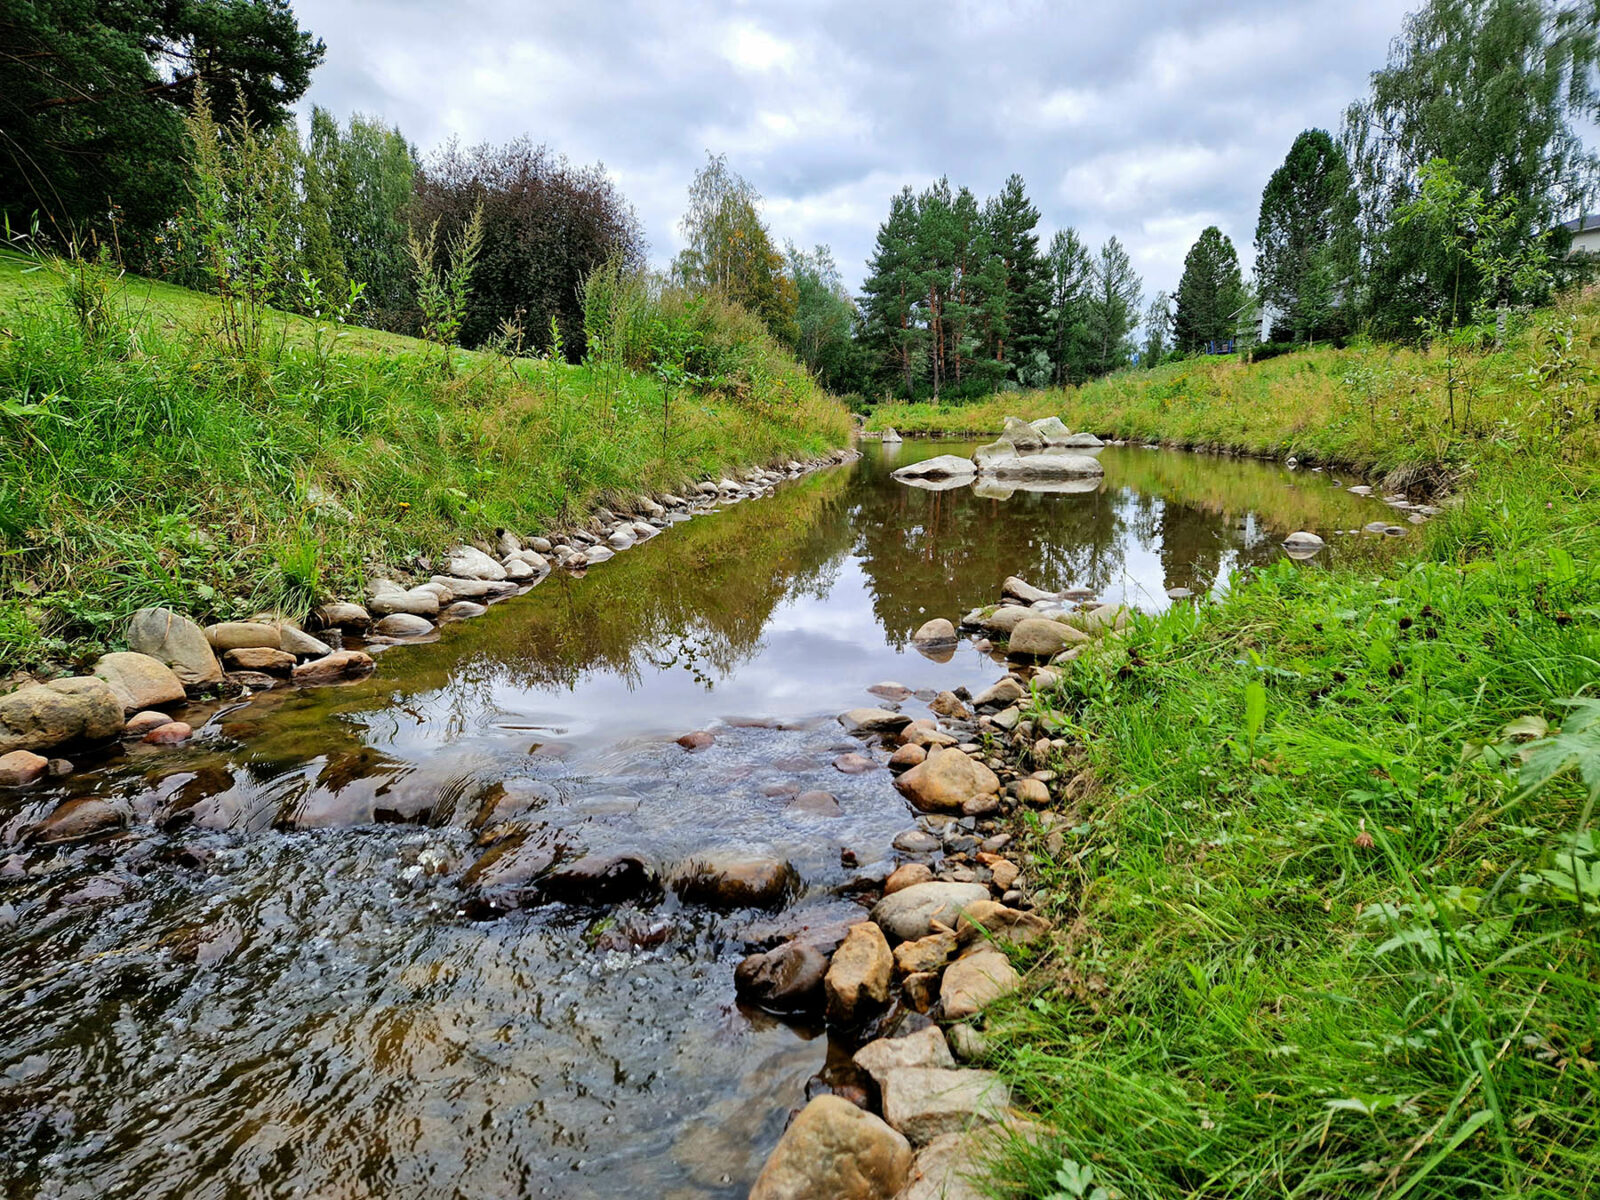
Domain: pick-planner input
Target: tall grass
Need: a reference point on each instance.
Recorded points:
(142, 467)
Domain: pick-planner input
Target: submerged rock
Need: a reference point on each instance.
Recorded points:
(77, 819)
(861, 721)
(786, 980)
(602, 879)
(725, 881)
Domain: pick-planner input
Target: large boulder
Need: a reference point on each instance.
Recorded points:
(1045, 466)
(986, 456)
(946, 780)
(975, 980)
(64, 710)
(1051, 430)
(836, 1151)
(909, 914)
(943, 466)
(926, 1102)
(784, 980)
(729, 881)
(858, 979)
(176, 641)
(139, 681)
(1021, 435)
(937, 632)
(1040, 637)
(1020, 590)
(468, 562)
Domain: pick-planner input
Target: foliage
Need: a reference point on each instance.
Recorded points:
(442, 288)
(1112, 311)
(1067, 315)
(1307, 246)
(134, 478)
(93, 96)
(546, 225)
(1210, 293)
(825, 318)
(1497, 87)
(1157, 329)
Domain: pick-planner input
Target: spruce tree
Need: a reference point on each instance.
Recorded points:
(1021, 276)
(1210, 293)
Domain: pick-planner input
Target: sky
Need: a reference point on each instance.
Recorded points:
(1147, 121)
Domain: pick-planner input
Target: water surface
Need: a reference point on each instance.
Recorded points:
(270, 986)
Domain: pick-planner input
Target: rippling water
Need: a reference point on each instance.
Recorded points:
(269, 985)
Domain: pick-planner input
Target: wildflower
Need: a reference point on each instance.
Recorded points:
(1363, 839)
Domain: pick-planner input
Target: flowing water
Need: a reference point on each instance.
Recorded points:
(271, 984)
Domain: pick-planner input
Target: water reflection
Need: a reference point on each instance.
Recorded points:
(268, 986)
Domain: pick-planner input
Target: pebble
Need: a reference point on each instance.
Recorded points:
(170, 734)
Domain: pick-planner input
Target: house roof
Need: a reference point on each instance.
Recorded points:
(1588, 223)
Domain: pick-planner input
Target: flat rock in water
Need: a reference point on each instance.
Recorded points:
(936, 632)
(261, 658)
(725, 881)
(1046, 466)
(177, 641)
(944, 466)
(784, 980)
(139, 680)
(835, 1151)
(342, 666)
(891, 691)
(243, 635)
(860, 721)
(1015, 588)
(909, 913)
(403, 625)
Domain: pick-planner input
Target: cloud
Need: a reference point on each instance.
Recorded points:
(1144, 120)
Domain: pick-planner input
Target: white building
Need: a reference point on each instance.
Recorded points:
(1585, 232)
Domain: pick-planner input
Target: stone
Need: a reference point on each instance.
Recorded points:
(300, 643)
(925, 954)
(725, 881)
(463, 610)
(854, 764)
(1304, 541)
(342, 666)
(22, 767)
(178, 642)
(784, 980)
(835, 1151)
(1046, 466)
(924, 1048)
(75, 819)
(468, 562)
(142, 723)
(976, 980)
(967, 1043)
(1021, 435)
(934, 633)
(857, 983)
(698, 740)
(944, 466)
(909, 914)
(986, 456)
(1031, 792)
(450, 589)
(601, 879)
(907, 874)
(816, 803)
(926, 1102)
(921, 990)
(1015, 588)
(1051, 430)
(916, 841)
(906, 757)
(403, 625)
(597, 554)
(1100, 620)
(946, 780)
(1080, 441)
(139, 680)
(532, 559)
(173, 733)
(389, 598)
(891, 691)
(41, 716)
(341, 614)
(889, 435)
(620, 540)
(1003, 874)
(989, 922)
(1002, 620)
(1040, 637)
(860, 721)
(243, 635)
(948, 704)
(265, 660)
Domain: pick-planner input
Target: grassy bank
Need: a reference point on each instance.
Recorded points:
(1326, 880)
(1375, 407)
(141, 463)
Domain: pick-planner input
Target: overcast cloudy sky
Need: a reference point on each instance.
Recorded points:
(1145, 120)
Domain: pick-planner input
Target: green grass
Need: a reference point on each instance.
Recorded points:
(141, 464)
(1316, 938)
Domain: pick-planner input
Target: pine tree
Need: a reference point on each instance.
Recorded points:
(1210, 293)
(894, 341)
(1021, 278)
(1113, 309)
(1071, 278)
(1306, 240)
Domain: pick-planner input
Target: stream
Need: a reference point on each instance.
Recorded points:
(273, 984)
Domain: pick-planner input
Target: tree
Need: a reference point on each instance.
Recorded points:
(1210, 293)
(1495, 87)
(730, 250)
(1071, 278)
(1113, 309)
(1157, 330)
(93, 96)
(1306, 240)
(894, 341)
(546, 225)
(825, 318)
(1020, 282)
